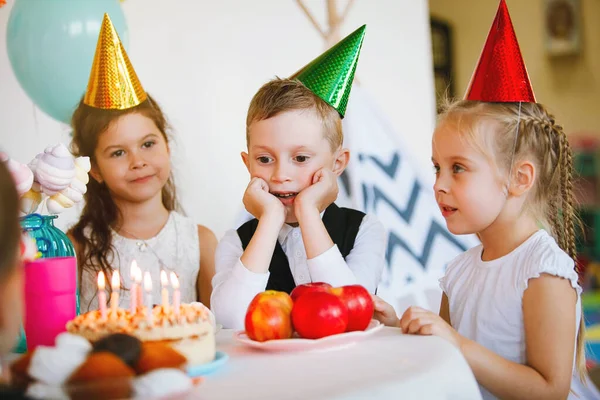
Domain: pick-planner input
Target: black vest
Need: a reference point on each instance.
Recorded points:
(342, 224)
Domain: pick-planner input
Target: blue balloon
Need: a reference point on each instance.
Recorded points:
(51, 46)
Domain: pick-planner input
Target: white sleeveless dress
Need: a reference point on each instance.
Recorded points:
(175, 248)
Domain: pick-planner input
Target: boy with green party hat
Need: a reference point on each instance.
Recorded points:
(295, 155)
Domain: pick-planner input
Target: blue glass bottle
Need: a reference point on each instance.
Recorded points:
(51, 242)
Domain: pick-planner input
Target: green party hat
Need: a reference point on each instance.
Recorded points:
(330, 75)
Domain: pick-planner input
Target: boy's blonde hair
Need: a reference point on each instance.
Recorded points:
(281, 95)
(507, 133)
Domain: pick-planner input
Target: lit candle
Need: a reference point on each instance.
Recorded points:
(102, 295)
(176, 293)
(115, 284)
(164, 283)
(134, 287)
(140, 291)
(148, 289)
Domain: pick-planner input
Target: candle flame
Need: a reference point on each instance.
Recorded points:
(174, 280)
(101, 281)
(134, 270)
(138, 276)
(164, 281)
(147, 282)
(116, 281)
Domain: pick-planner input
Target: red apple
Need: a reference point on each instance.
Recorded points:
(269, 316)
(319, 314)
(309, 287)
(360, 306)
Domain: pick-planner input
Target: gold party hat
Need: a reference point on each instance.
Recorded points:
(113, 83)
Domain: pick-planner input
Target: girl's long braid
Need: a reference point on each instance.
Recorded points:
(561, 212)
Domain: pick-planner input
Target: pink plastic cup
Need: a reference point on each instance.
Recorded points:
(50, 298)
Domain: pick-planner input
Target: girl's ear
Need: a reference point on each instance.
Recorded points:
(94, 173)
(524, 176)
(341, 161)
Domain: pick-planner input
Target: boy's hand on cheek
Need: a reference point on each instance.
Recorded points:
(320, 194)
(259, 202)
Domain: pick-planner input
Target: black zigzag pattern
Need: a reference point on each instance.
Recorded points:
(394, 241)
(435, 230)
(390, 170)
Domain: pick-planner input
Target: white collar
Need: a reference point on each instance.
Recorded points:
(287, 229)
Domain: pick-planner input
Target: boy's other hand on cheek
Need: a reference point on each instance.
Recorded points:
(259, 202)
(320, 194)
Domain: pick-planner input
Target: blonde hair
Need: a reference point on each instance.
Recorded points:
(281, 95)
(539, 139)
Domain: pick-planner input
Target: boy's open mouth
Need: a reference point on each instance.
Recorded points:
(446, 208)
(285, 195)
(286, 198)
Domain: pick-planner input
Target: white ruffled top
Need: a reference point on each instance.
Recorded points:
(486, 297)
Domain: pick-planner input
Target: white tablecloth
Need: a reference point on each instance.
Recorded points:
(387, 365)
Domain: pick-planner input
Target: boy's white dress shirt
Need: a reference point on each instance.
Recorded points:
(234, 286)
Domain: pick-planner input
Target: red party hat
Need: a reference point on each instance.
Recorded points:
(501, 75)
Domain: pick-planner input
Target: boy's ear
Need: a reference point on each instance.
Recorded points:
(246, 160)
(94, 173)
(341, 161)
(523, 178)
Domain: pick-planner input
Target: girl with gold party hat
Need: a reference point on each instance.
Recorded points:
(503, 166)
(130, 205)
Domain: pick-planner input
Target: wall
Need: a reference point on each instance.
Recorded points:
(203, 61)
(569, 86)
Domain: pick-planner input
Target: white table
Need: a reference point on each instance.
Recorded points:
(387, 365)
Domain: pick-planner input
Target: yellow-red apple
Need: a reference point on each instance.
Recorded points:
(269, 316)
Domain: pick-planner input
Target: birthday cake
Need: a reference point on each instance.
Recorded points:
(190, 331)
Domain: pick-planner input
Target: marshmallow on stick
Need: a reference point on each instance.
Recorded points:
(54, 169)
(73, 194)
(22, 175)
(31, 200)
(54, 173)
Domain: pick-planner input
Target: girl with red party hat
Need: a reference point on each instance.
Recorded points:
(504, 171)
